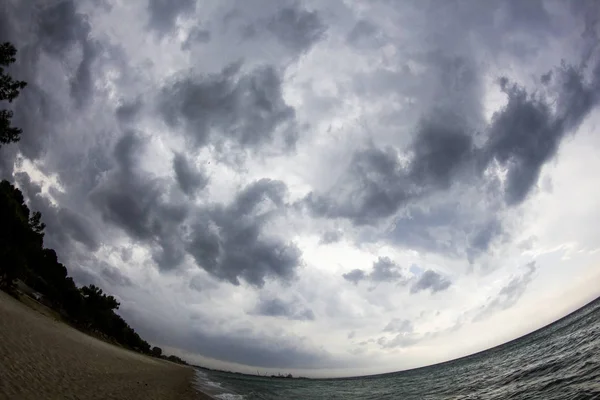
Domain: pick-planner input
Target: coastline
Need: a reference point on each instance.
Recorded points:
(41, 357)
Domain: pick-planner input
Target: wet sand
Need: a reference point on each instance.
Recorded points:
(42, 358)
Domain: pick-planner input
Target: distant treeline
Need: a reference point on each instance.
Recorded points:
(23, 256)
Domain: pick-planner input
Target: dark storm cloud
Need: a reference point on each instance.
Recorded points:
(526, 133)
(231, 242)
(130, 200)
(136, 203)
(82, 83)
(61, 27)
(430, 280)
(384, 270)
(523, 136)
(163, 14)
(91, 270)
(190, 179)
(376, 183)
(127, 111)
(246, 109)
(297, 29)
(439, 151)
(62, 225)
(115, 277)
(275, 307)
(527, 14)
(362, 31)
(509, 294)
(196, 36)
(57, 30)
(481, 239)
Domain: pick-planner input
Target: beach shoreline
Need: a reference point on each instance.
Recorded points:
(41, 357)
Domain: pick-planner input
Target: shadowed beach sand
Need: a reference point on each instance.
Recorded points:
(41, 358)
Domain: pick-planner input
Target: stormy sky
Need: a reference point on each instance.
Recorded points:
(322, 187)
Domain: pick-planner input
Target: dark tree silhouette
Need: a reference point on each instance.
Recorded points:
(156, 351)
(9, 90)
(17, 239)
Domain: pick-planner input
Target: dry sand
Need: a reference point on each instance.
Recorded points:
(41, 358)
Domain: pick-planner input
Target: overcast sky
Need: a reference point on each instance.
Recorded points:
(321, 187)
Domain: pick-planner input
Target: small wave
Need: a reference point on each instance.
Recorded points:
(229, 396)
(204, 384)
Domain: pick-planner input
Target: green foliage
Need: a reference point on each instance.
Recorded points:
(9, 90)
(23, 256)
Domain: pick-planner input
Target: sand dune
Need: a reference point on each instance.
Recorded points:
(41, 358)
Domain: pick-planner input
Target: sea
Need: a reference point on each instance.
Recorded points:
(559, 361)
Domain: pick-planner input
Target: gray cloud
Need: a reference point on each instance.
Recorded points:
(355, 276)
(246, 345)
(268, 352)
(400, 340)
(90, 270)
(361, 32)
(134, 202)
(331, 237)
(509, 295)
(423, 227)
(527, 133)
(430, 280)
(127, 111)
(522, 137)
(376, 186)
(60, 28)
(296, 28)
(264, 351)
(397, 325)
(378, 181)
(384, 270)
(230, 242)
(63, 225)
(189, 178)
(244, 109)
(164, 13)
(196, 36)
(59, 31)
(440, 150)
(276, 307)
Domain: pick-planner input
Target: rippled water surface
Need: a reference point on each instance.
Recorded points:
(561, 361)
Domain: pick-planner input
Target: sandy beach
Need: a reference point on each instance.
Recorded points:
(42, 358)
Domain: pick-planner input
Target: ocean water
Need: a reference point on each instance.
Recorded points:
(560, 361)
